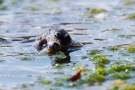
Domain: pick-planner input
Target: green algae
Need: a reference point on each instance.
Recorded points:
(27, 57)
(121, 65)
(99, 58)
(113, 48)
(94, 51)
(3, 7)
(130, 16)
(131, 49)
(44, 81)
(1, 1)
(129, 87)
(95, 10)
(94, 77)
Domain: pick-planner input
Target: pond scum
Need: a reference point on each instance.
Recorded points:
(115, 71)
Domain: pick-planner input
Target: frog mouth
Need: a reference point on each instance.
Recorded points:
(53, 47)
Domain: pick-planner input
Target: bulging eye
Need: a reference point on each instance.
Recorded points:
(57, 35)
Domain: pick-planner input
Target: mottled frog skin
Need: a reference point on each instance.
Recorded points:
(54, 40)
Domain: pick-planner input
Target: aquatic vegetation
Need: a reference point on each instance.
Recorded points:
(2, 7)
(1, 1)
(94, 77)
(95, 10)
(2, 60)
(14, 2)
(58, 65)
(129, 87)
(90, 12)
(113, 48)
(121, 65)
(59, 82)
(51, 89)
(120, 75)
(114, 88)
(53, 0)
(130, 49)
(72, 84)
(99, 58)
(100, 70)
(118, 82)
(130, 16)
(27, 57)
(126, 36)
(128, 2)
(6, 31)
(44, 81)
(77, 68)
(58, 56)
(94, 51)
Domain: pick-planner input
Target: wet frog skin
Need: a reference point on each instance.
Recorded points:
(54, 40)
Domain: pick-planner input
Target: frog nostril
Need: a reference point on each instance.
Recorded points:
(56, 45)
(42, 42)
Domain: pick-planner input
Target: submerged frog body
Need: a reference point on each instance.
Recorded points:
(54, 40)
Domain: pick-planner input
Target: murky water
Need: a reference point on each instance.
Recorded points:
(22, 21)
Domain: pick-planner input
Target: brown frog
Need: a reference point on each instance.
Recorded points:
(54, 40)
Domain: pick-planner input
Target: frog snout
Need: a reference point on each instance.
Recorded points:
(54, 46)
(41, 44)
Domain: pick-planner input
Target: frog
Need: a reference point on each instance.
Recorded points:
(53, 40)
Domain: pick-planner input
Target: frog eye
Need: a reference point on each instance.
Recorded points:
(57, 35)
(67, 36)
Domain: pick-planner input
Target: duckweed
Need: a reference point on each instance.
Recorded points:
(131, 16)
(100, 70)
(130, 49)
(72, 84)
(2, 7)
(59, 83)
(58, 65)
(45, 82)
(118, 82)
(99, 58)
(51, 89)
(1, 1)
(121, 75)
(127, 2)
(14, 2)
(94, 77)
(121, 66)
(95, 10)
(113, 48)
(24, 86)
(27, 57)
(6, 31)
(2, 60)
(79, 68)
(32, 8)
(60, 55)
(114, 88)
(94, 51)
(24, 58)
(129, 87)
